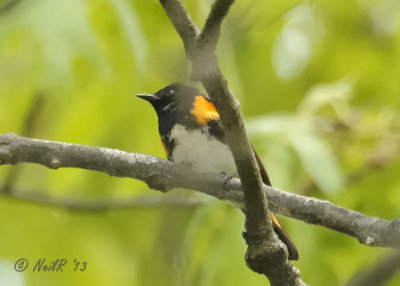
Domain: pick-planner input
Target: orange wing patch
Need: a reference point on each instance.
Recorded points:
(164, 147)
(204, 110)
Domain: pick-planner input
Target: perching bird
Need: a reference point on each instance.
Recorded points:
(192, 133)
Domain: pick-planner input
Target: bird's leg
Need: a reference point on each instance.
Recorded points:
(227, 178)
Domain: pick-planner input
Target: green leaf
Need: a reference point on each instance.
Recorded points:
(317, 158)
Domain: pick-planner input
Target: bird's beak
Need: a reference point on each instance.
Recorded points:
(148, 97)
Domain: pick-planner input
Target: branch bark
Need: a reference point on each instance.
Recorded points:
(163, 175)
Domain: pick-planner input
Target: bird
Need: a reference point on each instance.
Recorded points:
(192, 133)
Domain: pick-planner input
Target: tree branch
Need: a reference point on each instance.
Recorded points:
(379, 274)
(164, 175)
(183, 24)
(27, 130)
(266, 254)
(103, 204)
(211, 31)
(8, 5)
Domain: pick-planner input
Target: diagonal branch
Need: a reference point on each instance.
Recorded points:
(8, 5)
(204, 61)
(379, 274)
(265, 254)
(211, 31)
(217, 88)
(183, 24)
(28, 129)
(164, 175)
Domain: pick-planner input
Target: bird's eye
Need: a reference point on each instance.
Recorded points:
(171, 92)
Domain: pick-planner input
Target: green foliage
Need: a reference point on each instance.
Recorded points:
(318, 86)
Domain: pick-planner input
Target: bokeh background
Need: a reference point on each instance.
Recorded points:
(318, 83)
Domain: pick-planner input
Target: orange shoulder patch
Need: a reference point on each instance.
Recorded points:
(204, 110)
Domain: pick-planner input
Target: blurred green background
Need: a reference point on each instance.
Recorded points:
(318, 83)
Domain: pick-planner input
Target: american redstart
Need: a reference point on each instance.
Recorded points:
(192, 133)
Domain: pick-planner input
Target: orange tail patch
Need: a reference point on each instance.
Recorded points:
(275, 220)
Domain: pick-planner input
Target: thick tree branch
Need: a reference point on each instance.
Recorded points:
(265, 254)
(164, 175)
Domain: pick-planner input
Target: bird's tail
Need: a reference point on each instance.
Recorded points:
(284, 237)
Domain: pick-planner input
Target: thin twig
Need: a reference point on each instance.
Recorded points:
(105, 204)
(27, 130)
